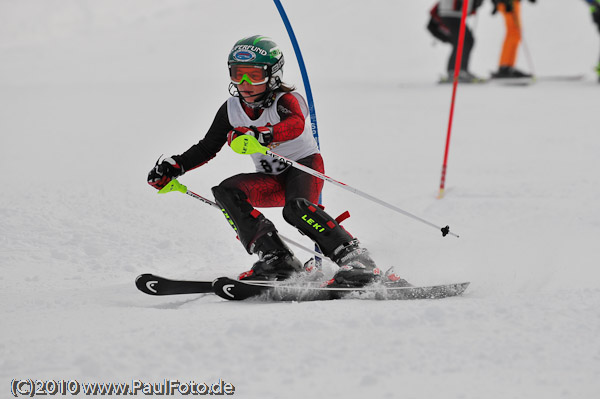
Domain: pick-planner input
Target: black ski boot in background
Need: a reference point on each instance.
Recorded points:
(507, 72)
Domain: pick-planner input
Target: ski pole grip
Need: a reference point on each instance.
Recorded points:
(247, 144)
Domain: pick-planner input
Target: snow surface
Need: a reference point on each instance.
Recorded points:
(91, 93)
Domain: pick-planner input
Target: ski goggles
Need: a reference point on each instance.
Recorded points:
(253, 74)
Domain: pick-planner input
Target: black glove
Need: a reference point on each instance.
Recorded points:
(264, 134)
(162, 173)
(509, 5)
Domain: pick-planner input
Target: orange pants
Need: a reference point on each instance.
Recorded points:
(513, 34)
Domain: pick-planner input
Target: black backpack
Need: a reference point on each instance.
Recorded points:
(436, 27)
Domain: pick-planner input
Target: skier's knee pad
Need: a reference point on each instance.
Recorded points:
(229, 196)
(314, 222)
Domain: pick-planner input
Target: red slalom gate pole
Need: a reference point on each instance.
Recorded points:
(459, 51)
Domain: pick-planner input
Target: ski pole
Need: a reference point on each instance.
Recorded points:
(247, 144)
(525, 47)
(175, 185)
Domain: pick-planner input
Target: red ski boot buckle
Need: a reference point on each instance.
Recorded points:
(342, 217)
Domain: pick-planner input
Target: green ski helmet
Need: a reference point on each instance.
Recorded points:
(258, 51)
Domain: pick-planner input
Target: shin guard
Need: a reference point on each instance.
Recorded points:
(317, 225)
(248, 223)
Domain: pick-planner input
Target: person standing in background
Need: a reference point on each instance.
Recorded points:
(446, 17)
(511, 10)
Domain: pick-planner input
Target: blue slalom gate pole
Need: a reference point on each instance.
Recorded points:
(309, 97)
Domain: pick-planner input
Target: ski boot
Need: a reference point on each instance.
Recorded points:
(510, 72)
(464, 76)
(275, 260)
(357, 268)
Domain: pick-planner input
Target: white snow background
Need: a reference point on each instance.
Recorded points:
(93, 92)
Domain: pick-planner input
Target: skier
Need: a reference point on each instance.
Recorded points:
(511, 10)
(595, 9)
(445, 25)
(263, 106)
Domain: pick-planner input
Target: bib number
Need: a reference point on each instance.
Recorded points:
(274, 165)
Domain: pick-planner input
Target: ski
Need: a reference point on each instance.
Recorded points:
(526, 81)
(513, 81)
(559, 78)
(444, 80)
(156, 285)
(236, 290)
(232, 289)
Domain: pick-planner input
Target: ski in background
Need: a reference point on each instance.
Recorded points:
(525, 81)
(559, 78)
(473, 80)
